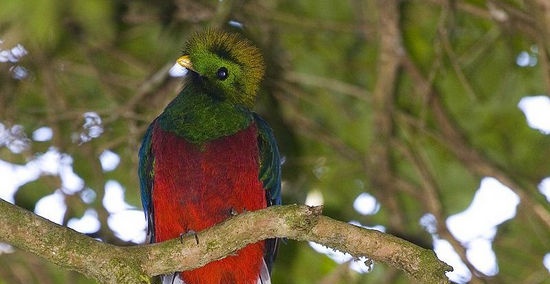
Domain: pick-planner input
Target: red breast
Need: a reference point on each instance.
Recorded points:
(197, 186)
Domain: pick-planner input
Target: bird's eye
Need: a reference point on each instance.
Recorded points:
(222, 73)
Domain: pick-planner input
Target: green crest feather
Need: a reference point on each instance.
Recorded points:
(211, 49)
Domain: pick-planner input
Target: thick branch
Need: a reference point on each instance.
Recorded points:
(65, 247)
(111, 264)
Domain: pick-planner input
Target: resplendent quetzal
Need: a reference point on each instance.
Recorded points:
(208, 156)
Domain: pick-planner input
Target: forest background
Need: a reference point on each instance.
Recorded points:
(405, 116)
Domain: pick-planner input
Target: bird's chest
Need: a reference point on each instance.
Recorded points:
(197, 186)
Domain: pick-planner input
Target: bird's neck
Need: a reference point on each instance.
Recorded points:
(200, 118)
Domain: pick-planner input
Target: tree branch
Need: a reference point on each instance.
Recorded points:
(379, 160)
(472, 158)
(111, 264)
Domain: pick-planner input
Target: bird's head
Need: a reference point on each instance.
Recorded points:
(228, 66)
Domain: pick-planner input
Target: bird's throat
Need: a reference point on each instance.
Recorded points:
(199, 117)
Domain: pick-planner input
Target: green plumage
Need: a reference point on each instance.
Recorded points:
(211, 106)
(211, 49)
(200, 118)
(208, 155)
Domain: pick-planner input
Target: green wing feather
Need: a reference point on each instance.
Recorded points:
(145, 173)
(270, 175)
(270, 162)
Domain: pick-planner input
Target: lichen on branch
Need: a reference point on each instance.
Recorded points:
(113, 264)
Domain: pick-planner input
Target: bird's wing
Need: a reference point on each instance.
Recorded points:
(270, 175)
(270, 162)
(145, 173)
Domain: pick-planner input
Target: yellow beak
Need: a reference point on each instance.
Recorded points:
(185, 62)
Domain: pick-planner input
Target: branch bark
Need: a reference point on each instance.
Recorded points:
(379, 160)
(112, 264)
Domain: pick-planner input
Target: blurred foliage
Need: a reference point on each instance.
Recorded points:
(457, 65)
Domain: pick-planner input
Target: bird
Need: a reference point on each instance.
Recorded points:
(209, 156)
